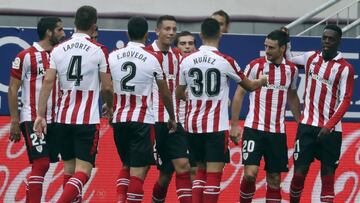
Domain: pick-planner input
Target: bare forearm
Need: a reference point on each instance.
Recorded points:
(13, 104)
(236, 107)
(43, 97)
(107, 97)
(294, 105)
(168, 103)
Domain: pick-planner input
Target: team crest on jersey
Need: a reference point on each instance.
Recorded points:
(16, 63)
(245, 155)
(296, 156)
(39, 148)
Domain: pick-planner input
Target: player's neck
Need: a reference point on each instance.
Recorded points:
(87, 32)
(46, 45)
(139, 41)
(212, 43)
(162, 47)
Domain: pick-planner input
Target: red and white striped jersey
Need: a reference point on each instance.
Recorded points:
(171, 69)
(133, 70)
(328, 89)
(78, 62)
(206, 74)
(30, 66)
(267, 104)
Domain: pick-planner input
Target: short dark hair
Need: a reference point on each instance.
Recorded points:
(210, 28)
(181, 34)
(46, 23)
(163, 18)
(137, 27)
(278, 35)
(223, 14)
(85, 17)
(335, 28)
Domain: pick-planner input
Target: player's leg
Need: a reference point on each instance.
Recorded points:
(85, 142)
(252, 152)
(305, 144)
(123, 148)
(216, 155)
(328, 153)
(276, 161)
(163, 163)
(141, 157)
(39, 158)
(178, 150)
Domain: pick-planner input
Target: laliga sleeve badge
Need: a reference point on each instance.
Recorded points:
(16, 63)
(39, 148)
(296, 155)
(245, 155)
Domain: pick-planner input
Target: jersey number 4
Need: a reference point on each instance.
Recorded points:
(74, 70)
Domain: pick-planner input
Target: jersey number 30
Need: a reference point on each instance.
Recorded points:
(211, 81)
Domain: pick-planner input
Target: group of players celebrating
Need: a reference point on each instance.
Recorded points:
(173, 103)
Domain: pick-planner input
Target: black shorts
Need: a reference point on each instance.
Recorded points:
(37, 147)
(134, 143)
(272, 146)
(308, 146)
(78, 141)
(210, 147)
(169, 146)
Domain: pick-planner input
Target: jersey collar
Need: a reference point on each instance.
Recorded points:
(336, 58)
(80, 35)
(135, 44)
(156, 48)
(38, 47)
(208, 48)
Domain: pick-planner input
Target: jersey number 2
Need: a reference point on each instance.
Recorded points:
(131, 68)
(74, 70)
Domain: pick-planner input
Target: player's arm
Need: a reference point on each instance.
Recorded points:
(346, 86)
(294, 104)
(180, 92)
(235, 132)
(168, 103)
(14, 86)
(48, 82)
(252, 85)
(107, 94)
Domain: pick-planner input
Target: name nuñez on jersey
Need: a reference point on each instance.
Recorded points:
(133, 54)
(204, 59)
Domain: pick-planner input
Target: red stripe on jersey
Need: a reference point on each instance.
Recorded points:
(257, 99)
(334, 92)
(323, 93)
(269, 95)
(33, 77)
(78, 99)
(122, 106)
(132, 108)
(312, 90)
(187, 112)
(280, 98)
(105, 52)
(171, 82)
(216, 117)
(65, 107)
(307, 68)
(88, 107)
(53, 102)
(196, 115)
(114, 101)
(204, 120)
(142, 109)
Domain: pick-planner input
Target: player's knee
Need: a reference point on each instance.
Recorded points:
(303, 169)
(250, 177)
(41, 166)
(164, 179)
(181, 165)
(273, 180)
(327, 170)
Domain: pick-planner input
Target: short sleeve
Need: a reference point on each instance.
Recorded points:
(234, 70)
(295, 78)
(104, 63)
(158, 71)
(18, 69)
(182, 79)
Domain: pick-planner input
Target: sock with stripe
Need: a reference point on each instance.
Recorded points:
(66, 179)
(198, 185)
(27, 192)
(183, 187)
(135, 191)
(247, 190)
(273, 195)
(38, 170)
(159, 193)
(73, 187)
(296, 187)
(122, 184)
(327, 188)
(212, 187)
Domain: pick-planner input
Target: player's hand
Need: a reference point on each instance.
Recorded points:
(284, 29)
(263, 79)
(40, 126)
(235, 134)
(14, 131)
(172, 125)
(107, 112)
(323, 132)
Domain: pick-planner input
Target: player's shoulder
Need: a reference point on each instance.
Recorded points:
(153, 55)
(257, 61)
(188, 56)
(21, 55)
(290, 64)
